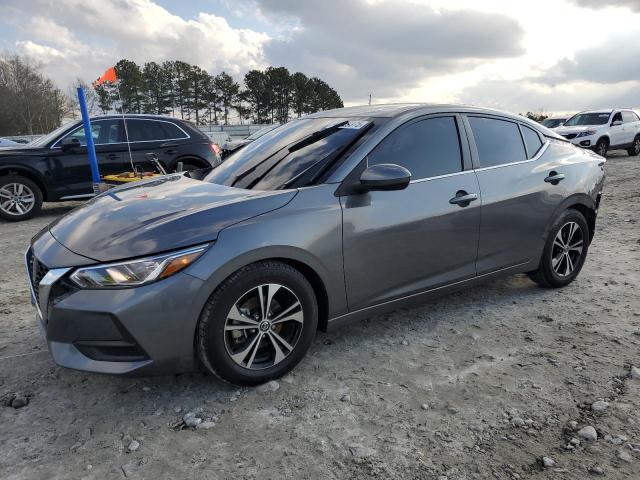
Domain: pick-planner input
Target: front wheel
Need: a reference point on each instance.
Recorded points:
(20, 198)
(635, 147)
(258, 324)
(601, 147)
(565, 251)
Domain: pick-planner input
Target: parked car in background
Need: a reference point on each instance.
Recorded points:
(604, 130)
(55, 167)
(219, 139)
(5, 142)
(554, 122)
(333, 217)
(234, 145)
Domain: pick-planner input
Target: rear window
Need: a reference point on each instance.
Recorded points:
(151, 130)
(531, 140)
(498, 141)
(292, 155)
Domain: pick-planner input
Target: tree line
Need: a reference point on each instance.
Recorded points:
(189, 92)
(31, 104)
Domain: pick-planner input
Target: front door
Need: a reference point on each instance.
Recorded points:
(617, 132)
(399, 243)
(71, 168)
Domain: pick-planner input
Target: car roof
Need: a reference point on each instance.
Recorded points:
(393, 110)
(137, 115)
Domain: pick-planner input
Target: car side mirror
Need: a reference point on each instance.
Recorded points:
(384, 176)
(69, 144)
(615, 123)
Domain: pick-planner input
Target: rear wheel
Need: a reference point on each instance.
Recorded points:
(565, 251)
(635, 147)
(258, 324)
(602, 146)
(20, 198)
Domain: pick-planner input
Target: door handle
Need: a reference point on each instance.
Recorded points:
(168, 144)
(554, 178)
(112, 156)
(169, 152)
(463, 198)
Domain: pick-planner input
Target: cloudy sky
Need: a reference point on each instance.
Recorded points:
(551, 55)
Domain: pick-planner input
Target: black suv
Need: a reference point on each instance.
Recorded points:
(56, 168)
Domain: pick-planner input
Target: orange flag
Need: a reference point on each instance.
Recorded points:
(108, 76)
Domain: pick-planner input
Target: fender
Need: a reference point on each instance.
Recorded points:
(48, 192)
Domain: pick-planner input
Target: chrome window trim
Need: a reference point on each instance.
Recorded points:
(446, 175)
(533, 159)
(124, 143)
(72, 197)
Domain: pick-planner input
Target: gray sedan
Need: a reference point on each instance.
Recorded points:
(333, 217)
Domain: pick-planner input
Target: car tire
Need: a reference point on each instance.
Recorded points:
(236, 340)
(564, 252)
(20, 198)
(602, 147)
(635, 147)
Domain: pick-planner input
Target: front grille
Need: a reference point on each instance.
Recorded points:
(570, 136)
(37, 271)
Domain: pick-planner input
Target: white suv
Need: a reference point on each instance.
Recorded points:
(604, 130)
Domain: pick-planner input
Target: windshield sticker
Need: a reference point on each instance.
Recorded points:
(355, 124)
(604, 115)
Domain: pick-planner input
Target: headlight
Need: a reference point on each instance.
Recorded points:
(138, 272)
(587, 133)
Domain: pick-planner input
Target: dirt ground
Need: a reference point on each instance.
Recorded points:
(479, 384)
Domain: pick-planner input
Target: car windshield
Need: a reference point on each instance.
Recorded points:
(552, 122)
(292, 155)
(595, 118)
(50, 137)
(261, 132)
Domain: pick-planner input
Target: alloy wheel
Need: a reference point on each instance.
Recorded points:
(16, 199)
(636, 146)
(567, 249)
(263, 326)
(602, 149)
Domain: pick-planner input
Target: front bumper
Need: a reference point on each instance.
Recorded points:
(144, 330)
(584, 142)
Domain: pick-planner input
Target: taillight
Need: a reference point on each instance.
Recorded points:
(215, 148)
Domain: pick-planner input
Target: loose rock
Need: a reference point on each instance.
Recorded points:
(548, 462)
(588, 433)
(596, 470)
(271, 386)
(345, 398)
(635, 373)
(599, 406)
(133, 446)
(624, 456)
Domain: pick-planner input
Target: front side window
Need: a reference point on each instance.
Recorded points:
(498, 141)
(617, 117)
(531, 140)
(103, 132)
(427, 148)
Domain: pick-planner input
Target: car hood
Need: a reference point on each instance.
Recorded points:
(235, 144)
(159, 215)
(579, 129)
(22, 150)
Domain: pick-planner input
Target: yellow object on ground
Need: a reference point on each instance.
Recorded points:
(126, 177)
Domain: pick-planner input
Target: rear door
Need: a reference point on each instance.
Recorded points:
(517, 202)
(631, 125)
(403, 242)
(161, 137)
(71, 170)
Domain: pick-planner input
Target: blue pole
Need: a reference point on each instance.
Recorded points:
(91, 149)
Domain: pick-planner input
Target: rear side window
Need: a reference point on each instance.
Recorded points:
(427, 148)
(498, 141)
(629, 117)
(150, 130)
(531, 140)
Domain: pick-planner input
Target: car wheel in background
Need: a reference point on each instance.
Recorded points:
(258, 324)
(635, 147)
(565, 251)
(20, 198)
(601, 147)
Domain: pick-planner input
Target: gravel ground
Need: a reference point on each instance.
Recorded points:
(479, 384)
